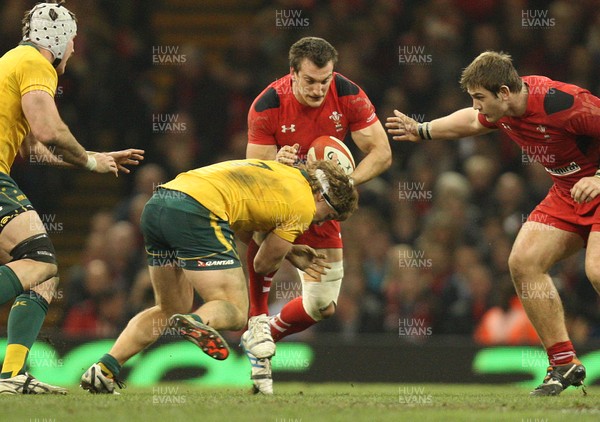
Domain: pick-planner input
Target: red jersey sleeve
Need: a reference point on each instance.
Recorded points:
(261, 120)
(361, 111)
(585, 116)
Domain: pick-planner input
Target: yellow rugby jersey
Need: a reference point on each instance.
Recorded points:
(22, 69)
(253, 195)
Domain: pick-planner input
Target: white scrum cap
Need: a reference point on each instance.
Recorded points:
(51, 26)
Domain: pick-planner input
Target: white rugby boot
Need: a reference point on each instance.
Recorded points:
(26, 384)
(257, 338)
(96, 381)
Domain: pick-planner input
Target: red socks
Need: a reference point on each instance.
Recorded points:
(292, 319)
(259, 286)
(561, 353)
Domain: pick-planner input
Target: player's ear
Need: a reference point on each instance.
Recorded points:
(504, 92)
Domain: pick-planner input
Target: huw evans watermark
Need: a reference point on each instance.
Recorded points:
(161, 326)
(44, 359)
(414, 191)
(37, 156)
(413, 259)
(413, 327)
(536, 19)
(534, 359)
(538, 290)
(290, 359)
(165, 258)
(167, 395)
(414, 54)
(537, 153)
(414, 396)
(288, 290)
(168, 123)
(47, 222)
(291, 18)
(167, 55)
(545, 224)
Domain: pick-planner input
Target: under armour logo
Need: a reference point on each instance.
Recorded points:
(292, 128)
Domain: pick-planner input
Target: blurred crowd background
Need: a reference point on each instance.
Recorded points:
(428, 247)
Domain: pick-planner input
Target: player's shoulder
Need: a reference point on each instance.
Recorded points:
(273, 95)
(344, 86)
(28, 55)
(557, 96)
(352, 99)
(267, 100)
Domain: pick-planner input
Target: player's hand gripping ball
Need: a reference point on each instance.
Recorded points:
(325, 147)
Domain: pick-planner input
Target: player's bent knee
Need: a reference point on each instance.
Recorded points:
(35, 274)
(519, 266)
(173, 308)
(237, 314)
(244, 313)
(49, 270)
(47, 289)
(592, 271)
(319, 298)
(527, 262)
(239, 323)
(329, 311)
(174, 303)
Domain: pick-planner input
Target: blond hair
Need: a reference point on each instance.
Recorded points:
(490, 70)
(342, 193)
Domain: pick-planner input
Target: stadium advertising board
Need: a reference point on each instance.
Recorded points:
(306, 362)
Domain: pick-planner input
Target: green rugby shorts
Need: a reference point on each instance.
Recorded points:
(12, 200)
(180, 232)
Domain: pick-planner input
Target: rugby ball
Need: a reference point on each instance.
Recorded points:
(324, 148)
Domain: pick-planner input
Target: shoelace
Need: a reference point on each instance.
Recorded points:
(116, 380)
(120, 383)
(259, 328)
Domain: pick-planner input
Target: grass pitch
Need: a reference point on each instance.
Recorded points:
(306, 403)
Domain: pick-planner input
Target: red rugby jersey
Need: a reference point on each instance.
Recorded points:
(560, 129)
(277, 118)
